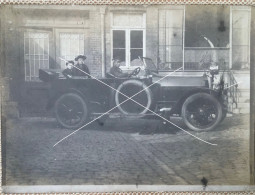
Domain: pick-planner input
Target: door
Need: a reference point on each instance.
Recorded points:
(69, 44)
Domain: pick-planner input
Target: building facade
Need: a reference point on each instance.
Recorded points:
(34, 37)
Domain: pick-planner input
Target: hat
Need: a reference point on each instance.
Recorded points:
(70, 61)
(80, 56)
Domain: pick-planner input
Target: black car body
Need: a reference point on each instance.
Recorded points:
(196, 99)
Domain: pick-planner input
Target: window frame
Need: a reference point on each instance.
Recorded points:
(127, 30)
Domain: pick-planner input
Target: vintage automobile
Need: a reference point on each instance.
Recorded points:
(200, 102)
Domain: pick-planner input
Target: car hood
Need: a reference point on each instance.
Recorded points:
(181, 81)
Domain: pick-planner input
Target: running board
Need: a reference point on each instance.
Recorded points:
(120, 115)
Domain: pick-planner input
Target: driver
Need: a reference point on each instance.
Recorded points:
(116, 71)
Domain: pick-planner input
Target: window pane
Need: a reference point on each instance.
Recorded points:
(170, 58)
(211, 23)
(174, 18)
(136, 20)
(121, 53)
(162, 54)
(162, 18)
(128, 20)
(240, 57)
(173, 36)
(240, 38)
(240, 19)
(173, 54)
(162, 36)
(170, 39)
(135, 53)
(136, 62)
(120, 20)
(119, 40)
(136, 39)
(41, 46)
(170, 18)
(194, 57)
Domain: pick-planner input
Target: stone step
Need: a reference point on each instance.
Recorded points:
(241, 110)
(236, 111)
(244, 99)
(244, 110)
(243, 105)
(244, 93)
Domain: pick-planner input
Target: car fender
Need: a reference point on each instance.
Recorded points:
(53, 99)
(178, 106)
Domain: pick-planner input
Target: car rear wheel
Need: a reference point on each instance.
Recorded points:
(71, 110)
(201, 112)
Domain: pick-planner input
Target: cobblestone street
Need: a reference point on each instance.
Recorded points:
(126, 152)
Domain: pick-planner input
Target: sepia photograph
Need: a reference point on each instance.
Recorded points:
(128, 95)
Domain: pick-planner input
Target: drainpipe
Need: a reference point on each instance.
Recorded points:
(102, 13)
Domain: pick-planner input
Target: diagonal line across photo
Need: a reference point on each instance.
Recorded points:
(106, 97)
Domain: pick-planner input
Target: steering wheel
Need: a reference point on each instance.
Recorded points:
(135, 72)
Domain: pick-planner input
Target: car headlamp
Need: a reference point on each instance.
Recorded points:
(214, 69)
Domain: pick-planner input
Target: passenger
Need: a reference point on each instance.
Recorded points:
(82, 70)
(116, 71)
(68, 72)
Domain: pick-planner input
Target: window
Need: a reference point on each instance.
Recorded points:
(206, 37)
(71, 45)
(240, 39)
(170, 39)
(36, 54)
(128, 38)
(212, 23)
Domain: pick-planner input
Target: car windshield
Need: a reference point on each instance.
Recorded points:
(149, 65)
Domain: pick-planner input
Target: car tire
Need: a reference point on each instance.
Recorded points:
(201, 112)
(71, 110)
(145, 89)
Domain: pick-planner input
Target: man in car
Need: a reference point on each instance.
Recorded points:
(80, 65)
(115, 69)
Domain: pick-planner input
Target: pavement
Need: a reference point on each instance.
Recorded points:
(125, 151)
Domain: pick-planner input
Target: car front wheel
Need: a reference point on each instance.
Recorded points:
(201, 112)
(71, 110)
